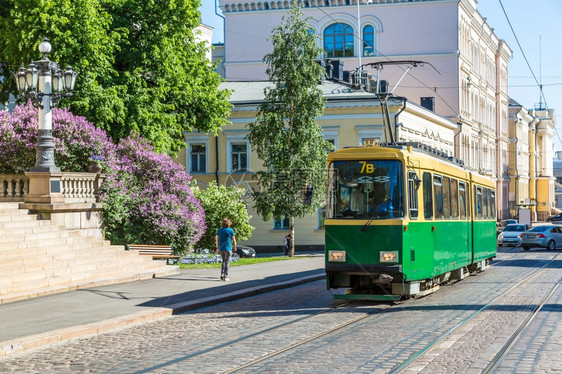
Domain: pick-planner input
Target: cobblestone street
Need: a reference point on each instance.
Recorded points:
(283, 328)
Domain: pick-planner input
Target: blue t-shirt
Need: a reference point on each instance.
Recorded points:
(225, 242)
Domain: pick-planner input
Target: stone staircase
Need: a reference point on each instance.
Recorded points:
(39, 257)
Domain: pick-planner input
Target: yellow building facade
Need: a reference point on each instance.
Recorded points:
(351, 118)
(530, 167)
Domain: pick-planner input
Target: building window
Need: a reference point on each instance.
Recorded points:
(197, 154)
(239, 154)
(281, 224)
(331, 136)
(333, 143)
(338, 40)
(369, 135)
(428, 103)
(368, 41)
(198, 161)
(370, 142)
(321, 218)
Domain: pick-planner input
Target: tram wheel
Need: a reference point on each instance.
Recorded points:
(525, 248)
(551, 246)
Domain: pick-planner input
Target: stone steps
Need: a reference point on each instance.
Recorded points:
(38, 257)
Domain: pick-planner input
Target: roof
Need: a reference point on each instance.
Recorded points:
(252, 92)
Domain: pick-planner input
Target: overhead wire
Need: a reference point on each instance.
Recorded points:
(539, 84)
(523, 52)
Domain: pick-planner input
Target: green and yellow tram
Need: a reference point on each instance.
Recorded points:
(403, 219)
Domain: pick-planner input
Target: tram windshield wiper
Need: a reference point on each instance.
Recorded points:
(381, 208)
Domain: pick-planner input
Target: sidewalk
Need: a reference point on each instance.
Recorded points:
(44, 320)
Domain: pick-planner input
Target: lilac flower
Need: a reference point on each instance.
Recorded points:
(147, 196)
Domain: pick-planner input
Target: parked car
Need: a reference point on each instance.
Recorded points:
(501, 224)
(545, 236)
(556, 218)
(511, 234)
(245, 251)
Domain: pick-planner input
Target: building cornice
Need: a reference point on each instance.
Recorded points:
(240, 6)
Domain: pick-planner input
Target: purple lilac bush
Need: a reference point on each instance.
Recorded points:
(150, 198)
(18, 135)
(147, 197)
(75, 140)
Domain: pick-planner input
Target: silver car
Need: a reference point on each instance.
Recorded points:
(546, 236)
(510, 235)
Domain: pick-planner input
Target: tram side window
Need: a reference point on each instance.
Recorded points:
(413, 194)
(478, 202)
(462, 200)
(487, 203)
(446, 198)
(438, 196)
(493, 203)
(454, 198)
(427, 196)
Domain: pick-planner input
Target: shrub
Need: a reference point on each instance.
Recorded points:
(149, 199)
(223, 202)
(76, 140)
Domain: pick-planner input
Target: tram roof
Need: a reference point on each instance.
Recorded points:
(429, 153)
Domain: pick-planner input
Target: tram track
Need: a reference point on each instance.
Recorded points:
(347, 324)
(378, 310)
(268, 330)
(497, 358)
(305, 341)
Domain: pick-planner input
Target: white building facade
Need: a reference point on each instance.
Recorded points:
(463, 77)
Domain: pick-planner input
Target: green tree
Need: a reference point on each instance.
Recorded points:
(81, 34)
(285, 134)
(220, 202)
(140, 67)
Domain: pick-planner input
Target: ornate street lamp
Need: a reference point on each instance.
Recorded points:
(53, 85)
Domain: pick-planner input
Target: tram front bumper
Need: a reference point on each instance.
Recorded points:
(363, 269)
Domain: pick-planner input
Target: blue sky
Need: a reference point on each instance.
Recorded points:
(538, 28)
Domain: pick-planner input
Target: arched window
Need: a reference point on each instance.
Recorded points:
(368, 41)
(338, 40)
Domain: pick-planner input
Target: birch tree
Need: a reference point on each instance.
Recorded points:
(285, 135)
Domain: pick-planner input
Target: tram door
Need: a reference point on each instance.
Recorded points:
(426, 262)
(464, 213)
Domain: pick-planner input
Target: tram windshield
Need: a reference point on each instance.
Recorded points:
(365, 190)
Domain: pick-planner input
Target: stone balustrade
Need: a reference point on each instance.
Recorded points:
(13, 187)
(75, 187)
(80, 187)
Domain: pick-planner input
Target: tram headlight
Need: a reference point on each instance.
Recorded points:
(389, 256)
(336, 256)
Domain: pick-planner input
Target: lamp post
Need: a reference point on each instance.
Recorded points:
(53, 85)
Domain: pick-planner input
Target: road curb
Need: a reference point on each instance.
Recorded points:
(153, 314)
